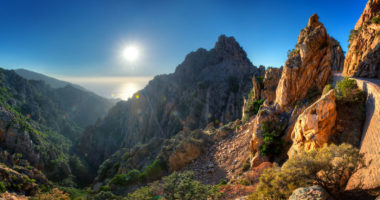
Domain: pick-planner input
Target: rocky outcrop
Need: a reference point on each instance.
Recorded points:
(257, 86)
(271, 78)
(315, 125)
(337, 60)
(308, 66)
(310, 193)
(183, 156)
(209, 86)
(268, 117)
(363, 56)
(263, 92)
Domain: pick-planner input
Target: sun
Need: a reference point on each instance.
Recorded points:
(131, 53)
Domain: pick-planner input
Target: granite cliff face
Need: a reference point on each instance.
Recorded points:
(363, 56)
(209, 86)
(309, 65)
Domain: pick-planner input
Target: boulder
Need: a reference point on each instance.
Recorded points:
(310, 193)
(314, 125)
(363, 56)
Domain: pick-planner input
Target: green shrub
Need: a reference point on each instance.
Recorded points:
(143, 193)
(329, 167)
(348, 91)
(375, 20)
(176, 186)
(2, 187)
(272, 143)
(154, 171)
(183, 186)
(260, 80)
(105, 188)
(74, 193)
(352, 36)
(293, 52)
(243, 181)
(246, 165)
(126, 179)
(252, 108)
(327, 88)
(106, 195)
(222, 182)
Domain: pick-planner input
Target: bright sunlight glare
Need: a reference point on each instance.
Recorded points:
(131, 53)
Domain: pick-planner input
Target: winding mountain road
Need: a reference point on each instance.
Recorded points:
(368, 177)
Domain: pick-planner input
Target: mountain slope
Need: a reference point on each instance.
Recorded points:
(209, 86)
(52, 82)
(67, 110)
(40, 124)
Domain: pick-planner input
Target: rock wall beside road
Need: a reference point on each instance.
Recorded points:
(370, 143)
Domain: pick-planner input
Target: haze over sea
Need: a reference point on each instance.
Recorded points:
(110, 87)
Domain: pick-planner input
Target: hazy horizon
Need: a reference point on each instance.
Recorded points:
(110, 87)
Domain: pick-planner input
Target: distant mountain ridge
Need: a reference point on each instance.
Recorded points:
(52, 82)
(41, 123)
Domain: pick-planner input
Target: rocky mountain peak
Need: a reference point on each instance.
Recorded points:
(228, 45)
(312, 38)
(313, 21)
(208, 86)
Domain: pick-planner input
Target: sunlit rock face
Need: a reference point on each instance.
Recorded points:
(308, 66)
(363, 56)
(315, 125)
(271, 78)
(209, 86)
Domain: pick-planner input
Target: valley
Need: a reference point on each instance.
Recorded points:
(218, 127)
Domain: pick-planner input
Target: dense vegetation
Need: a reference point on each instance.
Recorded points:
(252, 108)
(329, 167)
(348, 91)
(47, 122)
(176, 186)
(272, 143)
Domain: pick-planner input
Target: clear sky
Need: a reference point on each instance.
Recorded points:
(85, 38)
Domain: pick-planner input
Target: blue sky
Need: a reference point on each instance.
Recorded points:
(84, 38)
